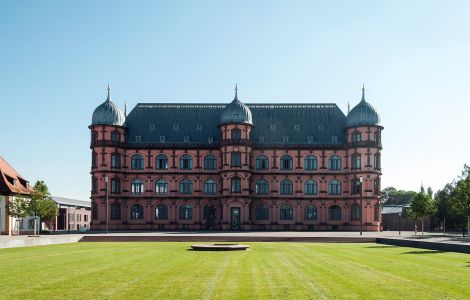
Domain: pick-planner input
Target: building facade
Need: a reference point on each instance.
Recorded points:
(235, 166)
(12, 184)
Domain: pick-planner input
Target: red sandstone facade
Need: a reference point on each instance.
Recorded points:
(300, 194)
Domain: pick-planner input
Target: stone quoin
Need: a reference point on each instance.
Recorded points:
(236, 166)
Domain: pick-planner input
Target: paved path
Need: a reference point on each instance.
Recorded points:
(321, 236)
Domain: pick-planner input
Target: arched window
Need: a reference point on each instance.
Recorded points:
(137, 212)
(356, 137)
(115, 185)
(377, 161)
(286, 162)
(310, 163)
(310, 187)
(262, 187)
(286, 212)
(310, 212)
(137, 162)
(355, 186)
(115, 161)
(210, 163)
(335, 163)
(262, 162)
(94, 185)
(334, 187)
(286, 187)
(186, 162)
(355, 212)
(236, 186)
(236, 134)
(186, 212)
(116, 211)
(161, 162)
(94, 158)
(137, 187)
(210, 187)
(262, 212)
(186, 187)
(208, 210)
(377, 186)
(161, 212)
(236, 160)
(115, 136)
(161, 187)
(356, 161)
(334, 213)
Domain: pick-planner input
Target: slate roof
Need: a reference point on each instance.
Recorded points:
(272, 122)
(71, 202)
(11, 182)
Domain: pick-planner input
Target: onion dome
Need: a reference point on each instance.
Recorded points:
(108, 113)
(363, 114)
(236, 112)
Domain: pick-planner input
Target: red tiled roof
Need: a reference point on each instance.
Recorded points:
(11, 182)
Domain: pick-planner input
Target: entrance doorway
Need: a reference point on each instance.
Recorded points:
(235, 213)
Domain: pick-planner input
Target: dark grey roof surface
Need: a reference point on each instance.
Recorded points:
(71, 202)
(150, 121)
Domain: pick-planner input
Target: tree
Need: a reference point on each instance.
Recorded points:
(421, 206)
(18, 208)
(41, 205)
(392, 196)
(461, 199)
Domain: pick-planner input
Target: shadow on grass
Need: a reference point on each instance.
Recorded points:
(424, 252)
(384, 246)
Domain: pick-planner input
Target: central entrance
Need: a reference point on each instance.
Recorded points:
(235, 214)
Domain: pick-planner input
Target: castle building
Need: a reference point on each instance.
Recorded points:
(235, 166)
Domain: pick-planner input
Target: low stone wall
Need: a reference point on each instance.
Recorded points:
(451, 247)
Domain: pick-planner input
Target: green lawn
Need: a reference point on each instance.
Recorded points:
(267, 271)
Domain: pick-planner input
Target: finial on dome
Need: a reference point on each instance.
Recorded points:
(363, 93)
(109, 93)
(125, 108)
(236, 91)
(349, 108)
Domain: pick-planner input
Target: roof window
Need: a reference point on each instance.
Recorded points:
(199, 127)
(297, 127)
(152, 126)
(138, 138)
(162, 139)
(310, 139)
(186, 139)
(176, 126)
(272, 126)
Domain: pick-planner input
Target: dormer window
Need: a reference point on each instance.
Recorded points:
(334, 139)
(210, 140)
(138, 138)
(261, 139)
(272, 127)
(162, 139)
(236, 134)
(310, 139)
(285, 139)
(321, 127)
(186, 139)
(199, 127)
(297, 127)
(176, 126)
(152, 126)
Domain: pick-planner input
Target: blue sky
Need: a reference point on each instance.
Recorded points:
(56, 58)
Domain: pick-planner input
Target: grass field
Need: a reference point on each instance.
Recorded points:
(267, 271)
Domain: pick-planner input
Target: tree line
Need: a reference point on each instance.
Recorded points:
(450, 204)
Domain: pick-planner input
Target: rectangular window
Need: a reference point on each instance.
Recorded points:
(115, 186)
(236, 159)
(115, 212)
(236, 185)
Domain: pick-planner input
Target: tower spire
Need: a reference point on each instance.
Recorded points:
(109, 93)
(363, 93)
(236, 91)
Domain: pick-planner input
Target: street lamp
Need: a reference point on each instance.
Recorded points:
(106, 179)
(360, 193)
(399, 222)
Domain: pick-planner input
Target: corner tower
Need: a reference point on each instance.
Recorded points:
(235, 125)
(363, 135)
(108, 133)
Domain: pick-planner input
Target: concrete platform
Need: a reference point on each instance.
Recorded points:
(25, 241)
